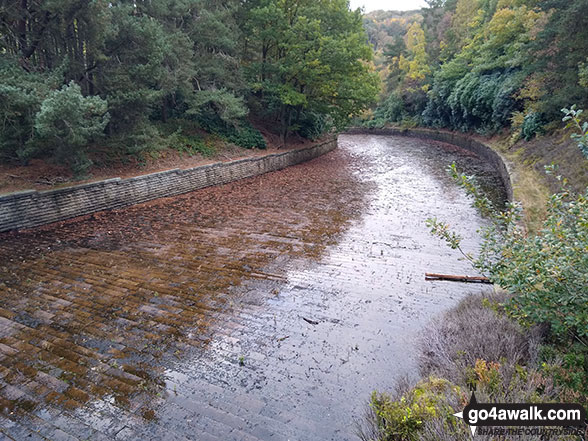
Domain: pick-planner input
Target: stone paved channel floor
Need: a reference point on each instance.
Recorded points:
(266, 309)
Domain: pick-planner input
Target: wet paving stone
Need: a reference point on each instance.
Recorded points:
(265, 309)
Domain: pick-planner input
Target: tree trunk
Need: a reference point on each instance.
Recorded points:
(283, 126)
(164, 109)
(286, 120)
(264, 51)
(22, 26)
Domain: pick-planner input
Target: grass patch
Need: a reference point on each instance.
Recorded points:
(191, 144)
(530, 187)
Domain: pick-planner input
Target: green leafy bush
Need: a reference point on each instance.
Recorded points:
(550, 271)
(572, 117)
(532, 125)
(547, 273)
(391, 110)
(313, 125)
(401, 417)
(69, 121)
(568, 366)
(243, 134)
(190, 144)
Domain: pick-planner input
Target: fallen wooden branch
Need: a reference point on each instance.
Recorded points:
(452, 278)
(312, 322)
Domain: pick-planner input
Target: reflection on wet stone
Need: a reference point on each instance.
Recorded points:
(268, 308)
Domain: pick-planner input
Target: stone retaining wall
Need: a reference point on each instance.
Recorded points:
(32, 208)
(458, 139)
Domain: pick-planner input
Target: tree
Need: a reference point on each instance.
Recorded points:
(416, 66)
(215, 64)
(464, 23)
(218, 81)
(308, 56)
(555, 54)
(68, 121)
(21, 95)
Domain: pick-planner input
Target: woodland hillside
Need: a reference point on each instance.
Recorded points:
(125, 78)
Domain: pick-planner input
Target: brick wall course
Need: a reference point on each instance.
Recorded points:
(31, 208)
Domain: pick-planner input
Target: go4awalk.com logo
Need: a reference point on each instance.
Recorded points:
(503, 419)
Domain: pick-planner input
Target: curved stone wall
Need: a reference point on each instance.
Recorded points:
(457, 139)
(32, 208)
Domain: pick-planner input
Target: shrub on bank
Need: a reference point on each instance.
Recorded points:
(243, 134)
(476, 329)
(454, 358)
(401, 416)
(547, 272)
